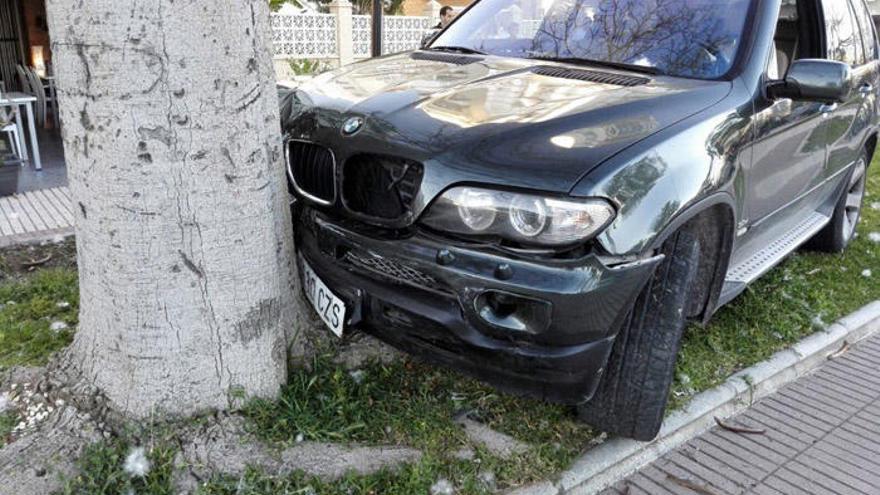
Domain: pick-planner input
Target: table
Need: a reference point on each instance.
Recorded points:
(16, 100)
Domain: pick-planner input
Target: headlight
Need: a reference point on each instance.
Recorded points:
(523, 218)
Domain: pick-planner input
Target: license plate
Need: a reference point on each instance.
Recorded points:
(330, 308)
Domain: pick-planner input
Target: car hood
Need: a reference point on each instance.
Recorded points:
(491, 119)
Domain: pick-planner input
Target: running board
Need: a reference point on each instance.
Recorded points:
(746, 272)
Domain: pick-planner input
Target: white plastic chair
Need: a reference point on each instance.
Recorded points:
(39, 91)
(23, 79)
(44, 97)
(10, 128)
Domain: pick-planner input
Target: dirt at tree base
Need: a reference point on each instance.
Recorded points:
(20, 260)
(225, 448)
(361, 348)
(36, 463)
(38, 459)
(500, 444)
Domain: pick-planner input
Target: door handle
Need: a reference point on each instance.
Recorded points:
(866, 89)
(828, 108)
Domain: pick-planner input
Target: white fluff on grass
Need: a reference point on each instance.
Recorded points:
(137, 464)
(58, 326)
(874, 237)
(442, 487)
(357, 376)
(866, 273)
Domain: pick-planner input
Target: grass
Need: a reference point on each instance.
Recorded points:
(411, 479)
(101, 470)
(404, 402)
(414, 404)
(407, 403)
(8, 421)
(28, 307)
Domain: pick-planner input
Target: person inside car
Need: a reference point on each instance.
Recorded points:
(447, 14)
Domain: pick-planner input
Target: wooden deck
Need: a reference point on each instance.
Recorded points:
(35, 216)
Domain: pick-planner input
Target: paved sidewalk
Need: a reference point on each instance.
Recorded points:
(821, 435)
(35, 215)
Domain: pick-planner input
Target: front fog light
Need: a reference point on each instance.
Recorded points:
(528, 215)
(513, 312)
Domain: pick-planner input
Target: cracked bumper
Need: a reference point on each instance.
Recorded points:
(428, 298)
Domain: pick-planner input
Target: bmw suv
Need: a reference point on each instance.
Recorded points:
(548, 191)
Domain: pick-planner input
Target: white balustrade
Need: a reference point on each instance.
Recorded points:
(304, 36)
(340, 36)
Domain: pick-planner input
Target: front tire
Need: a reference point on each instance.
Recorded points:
(632, 396)
(836, 236)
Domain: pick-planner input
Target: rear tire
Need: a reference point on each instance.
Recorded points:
(836, 236)
(631, 398)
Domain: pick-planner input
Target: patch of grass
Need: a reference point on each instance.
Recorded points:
(28, 307)
(409, 403)
(7, 423)
(410, 479)
(102, 470)
(467, 477)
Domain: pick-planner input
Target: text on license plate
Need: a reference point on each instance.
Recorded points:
(330, 308)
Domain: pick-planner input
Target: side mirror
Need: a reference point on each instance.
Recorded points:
(819, 80)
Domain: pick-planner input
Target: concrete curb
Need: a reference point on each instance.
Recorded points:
(617, 458)
(27, 238)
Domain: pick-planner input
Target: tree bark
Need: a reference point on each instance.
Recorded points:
(173, 145)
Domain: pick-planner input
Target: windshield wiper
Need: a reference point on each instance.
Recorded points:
(458, 49)
(603, 63)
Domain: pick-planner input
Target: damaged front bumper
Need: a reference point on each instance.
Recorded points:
(543, 328)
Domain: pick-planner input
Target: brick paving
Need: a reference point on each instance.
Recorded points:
(821, 435)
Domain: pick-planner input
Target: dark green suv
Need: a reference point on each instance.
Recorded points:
(544, 195)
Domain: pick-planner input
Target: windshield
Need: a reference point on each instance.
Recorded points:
(689, 38)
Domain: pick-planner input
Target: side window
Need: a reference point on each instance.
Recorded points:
(786, 40)
(866, 24)
(797, 36)
(844, 42)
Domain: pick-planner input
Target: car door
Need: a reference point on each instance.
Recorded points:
(851, 120)
(870, 83)
(789, 148)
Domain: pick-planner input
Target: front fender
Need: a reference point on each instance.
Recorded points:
(660, 183)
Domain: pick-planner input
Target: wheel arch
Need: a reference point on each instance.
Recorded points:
(713, 220)
(871, 146)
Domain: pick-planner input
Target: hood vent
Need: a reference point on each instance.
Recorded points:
(590, 75)
(449, 58)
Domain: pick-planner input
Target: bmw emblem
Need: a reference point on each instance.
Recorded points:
(351, 126)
